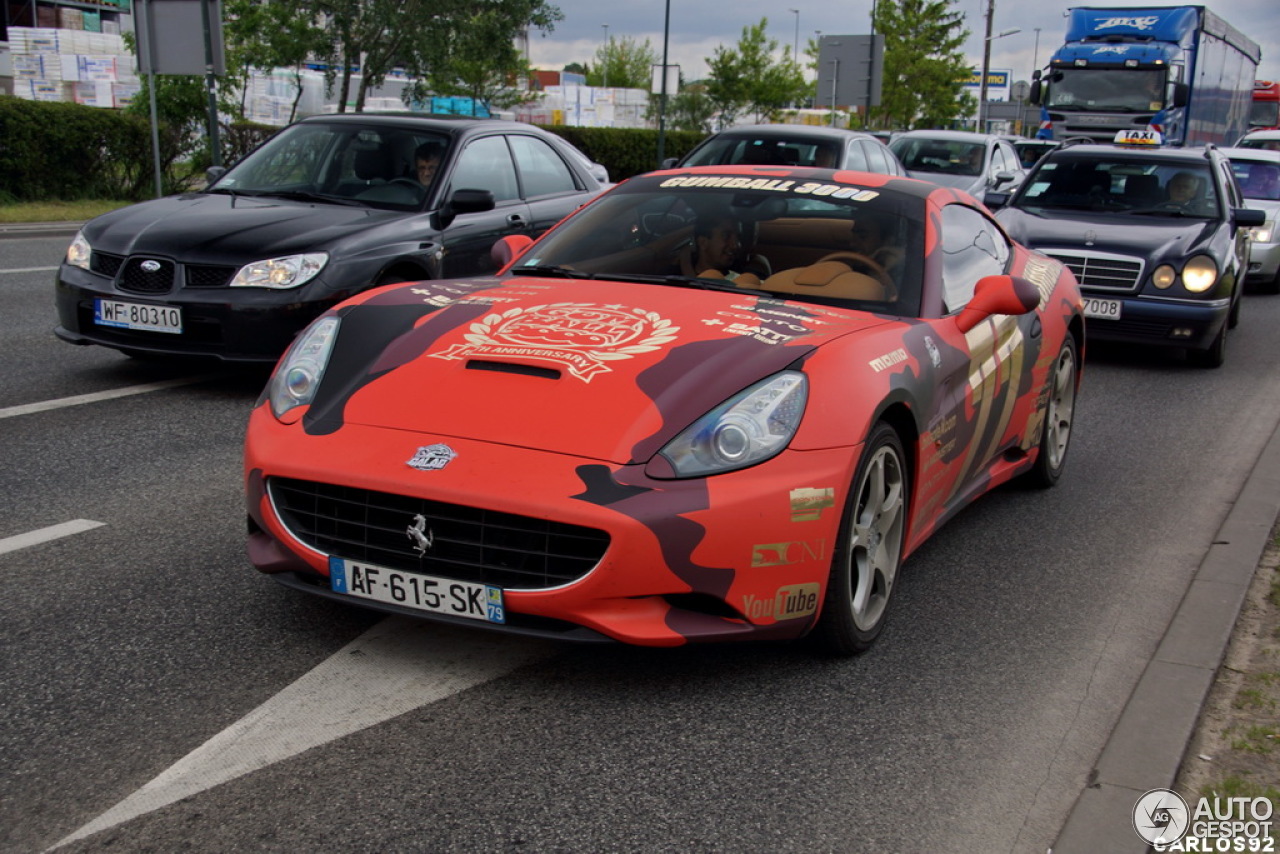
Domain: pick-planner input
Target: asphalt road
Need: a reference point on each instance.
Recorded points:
(158, 694)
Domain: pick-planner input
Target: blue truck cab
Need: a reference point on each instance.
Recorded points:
(1181, 71)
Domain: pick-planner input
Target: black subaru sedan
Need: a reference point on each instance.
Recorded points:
(1157, 237)
(328, 207)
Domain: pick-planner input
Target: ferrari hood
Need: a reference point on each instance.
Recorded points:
(603, 370)
(228, 229)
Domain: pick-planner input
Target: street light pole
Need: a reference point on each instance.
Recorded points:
(986, 63)
(662, 102)
(606, 56)
(795, 45)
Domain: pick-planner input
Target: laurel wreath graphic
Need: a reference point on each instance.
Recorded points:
(663, 331)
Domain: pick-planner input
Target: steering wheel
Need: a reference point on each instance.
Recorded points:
(861, 264)
(411, 182)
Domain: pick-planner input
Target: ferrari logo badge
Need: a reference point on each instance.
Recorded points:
(422, 538)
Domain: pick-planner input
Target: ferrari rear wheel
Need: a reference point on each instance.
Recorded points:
(1059, 415)
(868, 555)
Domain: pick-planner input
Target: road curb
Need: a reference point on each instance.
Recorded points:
(38, 229)
(1150, 739)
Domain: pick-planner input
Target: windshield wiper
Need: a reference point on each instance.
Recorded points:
(551, 271)
(682, 282)
(303, 196)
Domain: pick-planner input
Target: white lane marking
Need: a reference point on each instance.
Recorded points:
(29, 270)
(395, 667)
(95, 397)
(45, 535)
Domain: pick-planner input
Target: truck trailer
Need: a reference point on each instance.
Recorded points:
(1182, 71)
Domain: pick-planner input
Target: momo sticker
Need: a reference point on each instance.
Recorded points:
(580, 337)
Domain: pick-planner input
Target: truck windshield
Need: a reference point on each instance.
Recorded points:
(1264, 114)
(1134, 90)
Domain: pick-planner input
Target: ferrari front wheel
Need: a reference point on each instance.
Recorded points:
(1059, 414)
(868, 555)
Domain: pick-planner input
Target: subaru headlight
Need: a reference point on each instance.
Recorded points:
(748, 428)
(1263, 233)
(298, 375)
(79, 252)
(1199, 274)
(287, 272)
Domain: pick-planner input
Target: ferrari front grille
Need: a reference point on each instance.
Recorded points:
(452, 540)
(1102, 272)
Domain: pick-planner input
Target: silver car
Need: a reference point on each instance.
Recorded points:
(976, 163)
(1257, 172)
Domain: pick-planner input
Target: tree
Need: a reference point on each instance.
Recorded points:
(691, 109)
(473, 52)
(624, 64)
(748, 79)
(265, 36)
(924, 70)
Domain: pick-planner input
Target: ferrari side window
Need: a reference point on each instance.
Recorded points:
(972, 247)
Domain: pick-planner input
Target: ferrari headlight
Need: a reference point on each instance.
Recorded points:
(1199, 274)
(298, 376)
(1164, 276)
(79, 252)
(748, 428)
(1263, 233)
(287, 272)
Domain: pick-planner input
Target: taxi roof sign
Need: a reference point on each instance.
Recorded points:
(1138, 137)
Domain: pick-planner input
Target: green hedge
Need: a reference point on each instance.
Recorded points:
(66, 152)
(61, 151)
(626, 152)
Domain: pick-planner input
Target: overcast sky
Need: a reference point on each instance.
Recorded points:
(698, 27)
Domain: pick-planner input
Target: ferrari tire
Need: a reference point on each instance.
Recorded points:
(868, 554)
(1059, 415)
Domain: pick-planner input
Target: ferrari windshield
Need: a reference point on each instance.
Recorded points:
(815, 240)
(369, 164)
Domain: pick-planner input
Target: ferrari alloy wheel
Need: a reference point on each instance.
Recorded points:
(1059, 414)
(869, 554)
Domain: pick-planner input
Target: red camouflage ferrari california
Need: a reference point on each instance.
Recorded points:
(721, 403)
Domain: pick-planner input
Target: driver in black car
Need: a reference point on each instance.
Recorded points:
(427, 160)
(1184, 190)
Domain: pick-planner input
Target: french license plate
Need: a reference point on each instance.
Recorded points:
(421, 592)
(1106, 309)
(132, 315)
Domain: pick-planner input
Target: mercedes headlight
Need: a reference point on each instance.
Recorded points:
(1164, 276)
(748, 428)
(1200, 274)
(287, 272)
(298, 376)
(79, 252)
